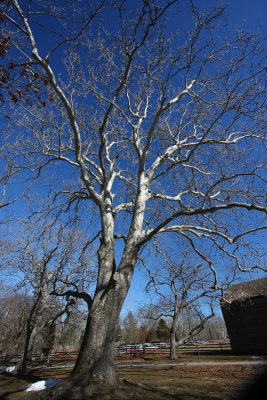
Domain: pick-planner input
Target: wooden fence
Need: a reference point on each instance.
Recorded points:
(130, 350)
(209, 348)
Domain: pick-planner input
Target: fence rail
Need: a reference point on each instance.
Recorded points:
(130, 350)
(136, 350)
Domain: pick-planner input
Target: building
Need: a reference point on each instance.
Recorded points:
(244, 308)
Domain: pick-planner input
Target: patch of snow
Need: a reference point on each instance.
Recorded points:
(7, 369)
(41, 385)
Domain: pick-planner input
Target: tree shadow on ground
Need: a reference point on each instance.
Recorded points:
(11, 385)
(123, 390)
(18, 383)
(149, 392)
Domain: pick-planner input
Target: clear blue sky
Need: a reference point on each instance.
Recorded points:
(250, 13)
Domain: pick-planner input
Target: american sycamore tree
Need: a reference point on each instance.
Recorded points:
(146, 121)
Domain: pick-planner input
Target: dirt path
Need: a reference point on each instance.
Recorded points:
(190, 363)
(163, 364)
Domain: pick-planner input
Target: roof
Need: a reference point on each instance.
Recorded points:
(246, 290)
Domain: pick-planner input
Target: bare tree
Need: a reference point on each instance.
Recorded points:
(48, 262)
(183, 285)
(156, 131)
(70, 330)
(14, 309)
(216, 330)
(12, 173)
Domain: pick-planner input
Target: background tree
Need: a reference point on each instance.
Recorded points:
(215, 329)
(60, 333)
(147, 316)
(70, 328)
(183, 284)
(156, 131)
(130, 329)
(162, 331)
(13, 316)
(119, 332)
(47, 260)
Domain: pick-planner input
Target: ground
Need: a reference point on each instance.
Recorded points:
(151, 382)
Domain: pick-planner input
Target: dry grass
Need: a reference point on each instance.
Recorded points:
(148, 383)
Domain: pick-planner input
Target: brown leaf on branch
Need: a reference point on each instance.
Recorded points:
(4, 46)
(51, 97)
(4, 75)
(13, 96)
(20, 93)
(36, 89)
(42, 102)
(29, 102)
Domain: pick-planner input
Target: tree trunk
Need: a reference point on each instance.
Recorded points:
(27, 353)
(30, 336)
(173, 355)
(95, 360)
(21, 365)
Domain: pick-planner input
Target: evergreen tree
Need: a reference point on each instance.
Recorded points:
(162, 330)
(130, 330)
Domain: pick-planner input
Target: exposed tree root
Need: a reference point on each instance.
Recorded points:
(74, 389)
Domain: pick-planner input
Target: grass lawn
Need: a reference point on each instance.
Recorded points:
(150, 382)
